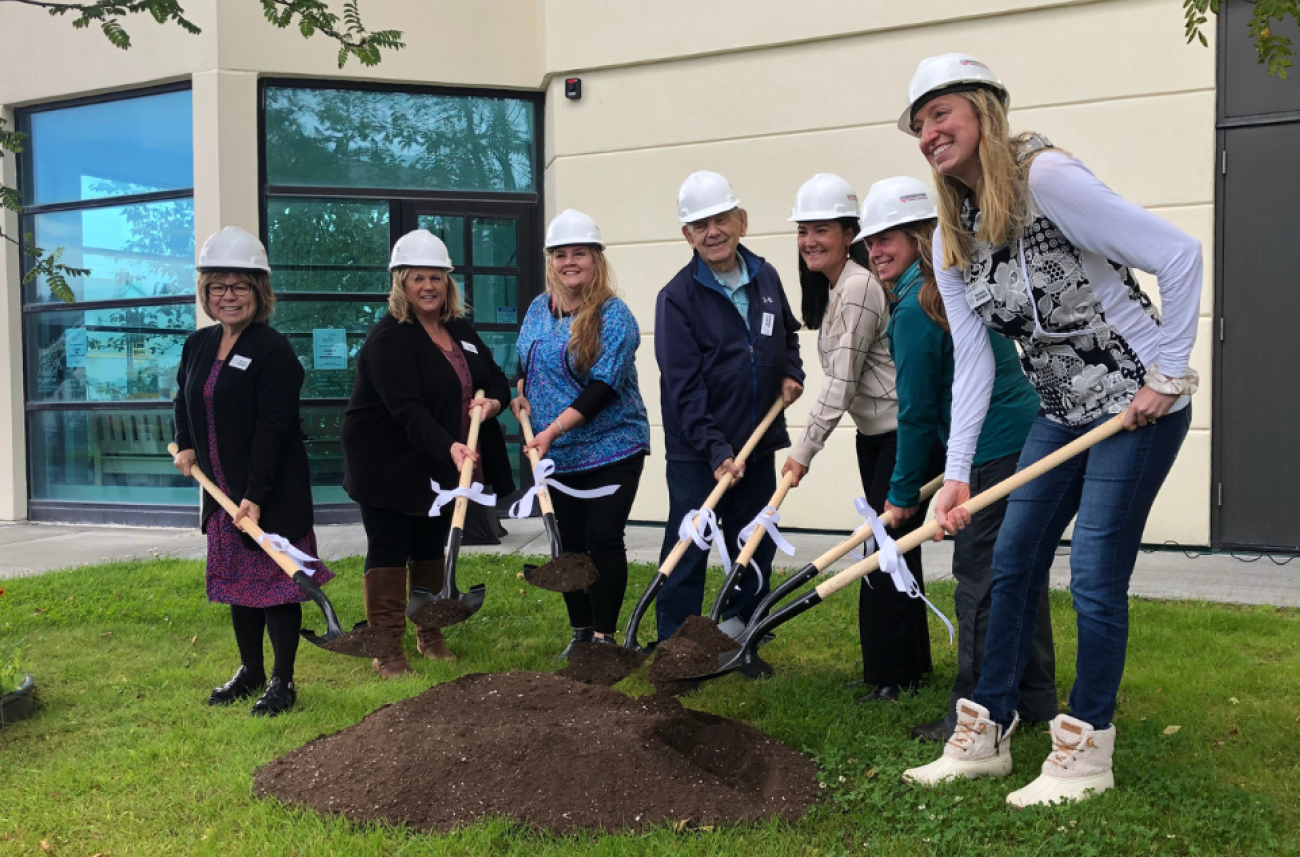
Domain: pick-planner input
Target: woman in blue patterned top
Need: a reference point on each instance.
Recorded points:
(577, 377)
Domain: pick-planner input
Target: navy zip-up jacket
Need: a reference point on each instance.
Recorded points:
(716, 378)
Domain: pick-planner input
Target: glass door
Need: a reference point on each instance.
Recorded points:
(491, 245)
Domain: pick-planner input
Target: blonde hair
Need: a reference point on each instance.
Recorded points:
(399, 305)
(261, 290)
(584, 333)
(1002, 194)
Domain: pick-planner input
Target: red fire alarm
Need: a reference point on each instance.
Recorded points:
(573, 88)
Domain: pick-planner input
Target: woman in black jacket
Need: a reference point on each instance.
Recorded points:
(237, 419)
(405, 427)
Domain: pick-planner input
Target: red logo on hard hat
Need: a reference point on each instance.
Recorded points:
(913, 197)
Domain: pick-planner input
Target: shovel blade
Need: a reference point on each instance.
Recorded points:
(752, 638)
(638, 612)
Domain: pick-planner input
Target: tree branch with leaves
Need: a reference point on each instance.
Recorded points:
(1274, 51)
(311, 17)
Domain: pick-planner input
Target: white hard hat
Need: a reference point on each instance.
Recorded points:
(894, 202)
(233, 249)
(948, 73)
(420, 249)
(825, 196)
(704, 194)
(573, 227)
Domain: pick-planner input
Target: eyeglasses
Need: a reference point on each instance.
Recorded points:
(216, 290)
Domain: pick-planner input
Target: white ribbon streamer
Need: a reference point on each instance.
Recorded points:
(474, 492)
(868, 547)
(707, 534)
(767, 519)
(893, 564)
(523, 507)
(283, 545)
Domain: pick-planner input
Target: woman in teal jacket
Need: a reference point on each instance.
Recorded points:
(898, 224)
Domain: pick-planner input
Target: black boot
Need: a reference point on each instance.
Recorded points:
(580, 635)
(928, 732)
(882, 693)
(279, 697)
(242, 685)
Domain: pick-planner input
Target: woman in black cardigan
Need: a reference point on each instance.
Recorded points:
(406, 425)
(237, 419)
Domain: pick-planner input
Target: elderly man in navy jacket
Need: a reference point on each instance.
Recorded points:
(727, 347)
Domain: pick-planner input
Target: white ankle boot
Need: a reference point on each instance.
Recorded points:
(977, 748)
(1079, 765)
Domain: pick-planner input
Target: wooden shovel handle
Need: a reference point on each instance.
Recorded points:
(978, 502)
(679, 550)
(287, 565)
(860, 535)
(543, 495)
(467, 469)
(756, 537)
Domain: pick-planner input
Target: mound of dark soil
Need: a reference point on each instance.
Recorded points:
(693, 650)
(601, 663)
(362, 641)
(546, 751)
(568, 572)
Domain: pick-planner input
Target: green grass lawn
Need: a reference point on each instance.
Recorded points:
(126, 757)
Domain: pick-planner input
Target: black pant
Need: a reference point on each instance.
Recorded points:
(281, 623)
(972, 565)
(892, 626)
(393, 537)
(596, 527)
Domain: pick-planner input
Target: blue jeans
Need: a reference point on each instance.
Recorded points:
(1111, 487)
(689, 484)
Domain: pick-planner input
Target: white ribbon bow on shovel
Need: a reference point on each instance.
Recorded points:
(893, 564)
(474, 492)
(523, 507)
(707, 535)
(767, 519)
(282, 544)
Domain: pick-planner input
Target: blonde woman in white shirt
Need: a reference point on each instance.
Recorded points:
(849, 308)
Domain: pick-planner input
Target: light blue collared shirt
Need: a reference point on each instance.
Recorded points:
(736, 293)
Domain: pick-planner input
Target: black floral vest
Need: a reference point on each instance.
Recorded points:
(1081, 366)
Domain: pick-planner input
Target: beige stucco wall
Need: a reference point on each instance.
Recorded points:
(796, 96)
(759, 90)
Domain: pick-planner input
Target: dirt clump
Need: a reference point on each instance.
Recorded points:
(363, 641)
(441, 613)
(545, 751)
(693, 650)
(602, 663)
(568, 572)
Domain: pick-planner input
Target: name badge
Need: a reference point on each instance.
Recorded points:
(469, 346)
(978, 295)
(768, 320)
(239, 362)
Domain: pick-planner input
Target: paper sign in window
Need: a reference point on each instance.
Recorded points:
(329, 348)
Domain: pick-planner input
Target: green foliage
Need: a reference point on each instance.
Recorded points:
(48, 265)
(127, 759)
(1274, 51)
(13, 670)
(314, 16)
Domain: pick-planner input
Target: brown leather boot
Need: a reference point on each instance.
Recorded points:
(386, 610)
(428, 574)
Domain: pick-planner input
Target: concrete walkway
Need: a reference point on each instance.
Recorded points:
(27, 549)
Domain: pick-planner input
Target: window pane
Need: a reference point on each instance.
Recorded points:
(413, 141)
(494, 299)
(494, 242)
(320, 427)
(452, 232)
(328, 245)
(326, 336)
(132, 251)
(132, 145)
(502, 344)
(106, 355)
(105, 457)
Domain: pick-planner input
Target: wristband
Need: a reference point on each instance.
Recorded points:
(1184, 386)
(563, 430)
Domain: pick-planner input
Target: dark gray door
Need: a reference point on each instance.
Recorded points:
(1259, 388)
(1257, 394)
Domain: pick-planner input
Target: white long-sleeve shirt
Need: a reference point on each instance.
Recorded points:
(1087, 331)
